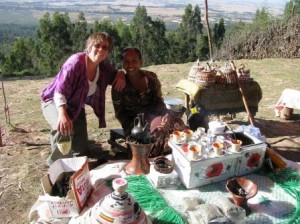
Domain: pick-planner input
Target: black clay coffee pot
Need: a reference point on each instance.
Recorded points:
(140, 131)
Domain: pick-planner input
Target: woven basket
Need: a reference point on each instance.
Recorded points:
(230, 76)
(220, 78)
(244, 75)
(193, 71)
(226, 76)
(205, 78)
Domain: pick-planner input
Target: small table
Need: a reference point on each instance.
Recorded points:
(221, 99)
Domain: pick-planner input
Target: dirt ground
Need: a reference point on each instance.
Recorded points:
(23, 162)
(26, 144)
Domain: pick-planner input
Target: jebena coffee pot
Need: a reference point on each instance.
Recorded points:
(140, 131)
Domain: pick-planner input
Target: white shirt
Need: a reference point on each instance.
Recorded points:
(60, 99)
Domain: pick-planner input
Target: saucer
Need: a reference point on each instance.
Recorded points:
(213, 155)
(228, 150)
(178, 143)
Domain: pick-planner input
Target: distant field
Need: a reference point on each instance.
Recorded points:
(30, 13)
(23, 17)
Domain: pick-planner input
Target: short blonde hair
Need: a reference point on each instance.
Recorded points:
(97, 38)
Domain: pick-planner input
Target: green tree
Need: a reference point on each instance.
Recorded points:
(202, 49)
(219, 32)
(20, 59)
(79, 33)
(173, 51)
(196, 20)
(157, 43)
(124, 33)
(291, 8)
(139, 27)
(54, 40)
(262, 19)
(149, 36)
(2, 60)
(189, 32)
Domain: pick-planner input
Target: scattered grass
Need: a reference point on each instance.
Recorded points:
(273, 75)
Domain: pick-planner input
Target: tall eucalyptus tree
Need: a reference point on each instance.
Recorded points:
(149, 36)
(291, 8)
(218, 33)
(139, 30)
(54, 42)
(21, 57)
(157, 43)
(79, 33)
(190, 32)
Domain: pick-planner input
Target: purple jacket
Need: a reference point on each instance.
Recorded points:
(72, 82)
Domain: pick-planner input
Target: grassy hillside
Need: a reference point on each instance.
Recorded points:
(23, 157)
(273, 75)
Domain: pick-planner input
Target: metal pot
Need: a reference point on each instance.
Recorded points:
(216, 127)
(174, 104)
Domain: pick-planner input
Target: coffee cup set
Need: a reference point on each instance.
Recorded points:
(195, 150)
(198, 133)
(199, 143)
(221, 147)
(181, 137)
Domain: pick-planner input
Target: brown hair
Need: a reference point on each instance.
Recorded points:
(97, 38)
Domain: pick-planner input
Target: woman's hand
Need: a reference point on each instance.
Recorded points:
(119, 83)
(165, 123)
(65, 124)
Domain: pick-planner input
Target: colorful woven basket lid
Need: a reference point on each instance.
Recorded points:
(117, 207)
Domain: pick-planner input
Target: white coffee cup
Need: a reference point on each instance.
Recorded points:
(236, 145)
(193, 151)
(202, 146)
(188, 133)
(201, 131)
(220, 139)
(218, 148)
(177, 136)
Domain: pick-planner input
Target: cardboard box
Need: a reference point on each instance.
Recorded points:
(161, 180)
(80, 186)
(208, 170)
(251, 159)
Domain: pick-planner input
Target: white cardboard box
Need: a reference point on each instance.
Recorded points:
(80, 183)
(210, 170)
(161, 180)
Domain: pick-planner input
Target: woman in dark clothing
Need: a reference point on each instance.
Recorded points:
(142, 94)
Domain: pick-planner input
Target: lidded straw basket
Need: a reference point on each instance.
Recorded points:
(229, 74)
(206, 77)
